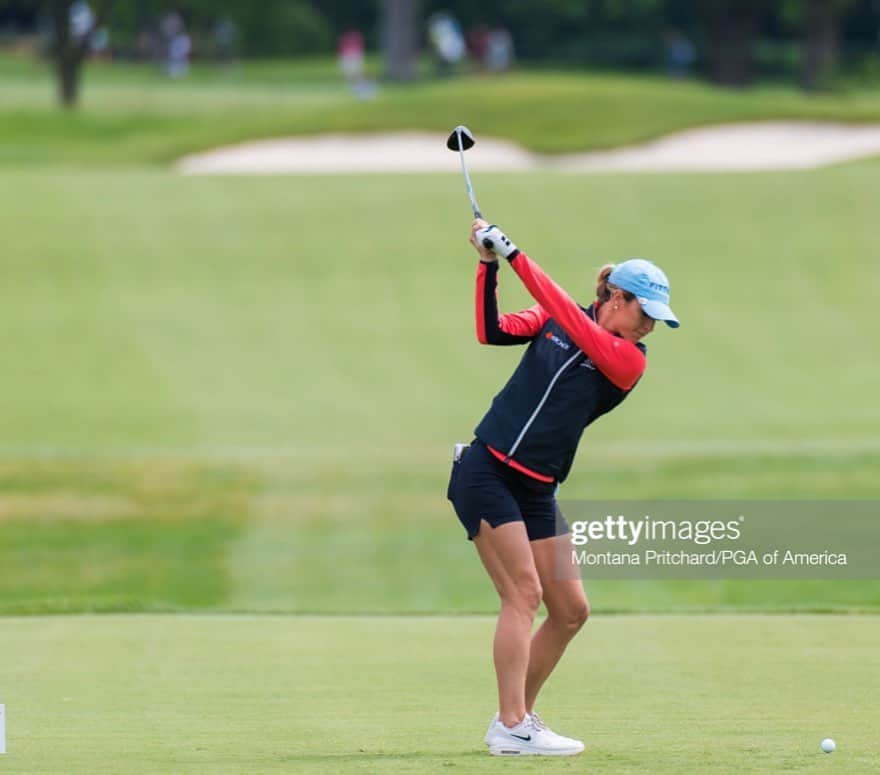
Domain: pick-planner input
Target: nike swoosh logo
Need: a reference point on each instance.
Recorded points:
(520, 737)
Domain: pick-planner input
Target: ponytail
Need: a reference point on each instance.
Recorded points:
(603, 289)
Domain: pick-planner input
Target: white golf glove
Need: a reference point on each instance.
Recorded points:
(492, 238)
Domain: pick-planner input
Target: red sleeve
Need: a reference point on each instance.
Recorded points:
(512, 328)
(528, 323)
(619, 360)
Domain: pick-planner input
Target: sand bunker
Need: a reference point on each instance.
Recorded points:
(726, 148)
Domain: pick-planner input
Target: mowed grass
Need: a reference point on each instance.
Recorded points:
(149, 312)
(295, 534)
(240, 394)
(132, 114)
(191, 694)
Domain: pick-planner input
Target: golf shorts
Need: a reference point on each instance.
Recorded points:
(482, 487)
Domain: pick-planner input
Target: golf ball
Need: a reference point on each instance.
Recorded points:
(828, 745)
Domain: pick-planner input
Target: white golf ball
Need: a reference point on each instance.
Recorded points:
(828, 745)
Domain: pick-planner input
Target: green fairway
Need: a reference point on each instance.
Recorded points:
(132, 114)
(279, 694)
(213, 406)
(208, 314)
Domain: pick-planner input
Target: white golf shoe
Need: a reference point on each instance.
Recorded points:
(531, 737)
(492, 724)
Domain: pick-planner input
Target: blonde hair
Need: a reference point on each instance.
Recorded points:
(604, 289)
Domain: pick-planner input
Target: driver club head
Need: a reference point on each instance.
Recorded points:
(467, 139)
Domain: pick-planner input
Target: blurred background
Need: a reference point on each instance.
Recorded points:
(240, 393)
(817, 44)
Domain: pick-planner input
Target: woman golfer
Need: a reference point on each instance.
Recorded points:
(579, 364)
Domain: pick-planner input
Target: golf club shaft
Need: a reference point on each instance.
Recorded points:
(467, 180)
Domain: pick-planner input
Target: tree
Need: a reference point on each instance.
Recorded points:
(821, 26)
(400, 38)
(70, 50)
(732, 27)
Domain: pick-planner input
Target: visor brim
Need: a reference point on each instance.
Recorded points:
(660, 311)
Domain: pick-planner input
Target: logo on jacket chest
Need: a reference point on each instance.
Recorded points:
(551, 337)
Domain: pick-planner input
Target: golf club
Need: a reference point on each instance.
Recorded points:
(460, 140)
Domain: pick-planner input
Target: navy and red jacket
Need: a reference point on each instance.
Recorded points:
(572, 372)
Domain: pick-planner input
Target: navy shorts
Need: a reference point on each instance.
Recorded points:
(482, 487)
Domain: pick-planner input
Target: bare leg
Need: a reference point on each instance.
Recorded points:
(508, 558)
(567, 610)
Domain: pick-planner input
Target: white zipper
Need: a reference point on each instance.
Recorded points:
(540, 405)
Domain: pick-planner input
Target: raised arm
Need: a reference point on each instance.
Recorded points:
(619, 360)
(512, 328)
